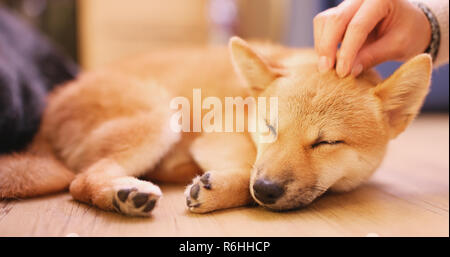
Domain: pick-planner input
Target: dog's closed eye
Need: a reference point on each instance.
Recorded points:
(326, 142)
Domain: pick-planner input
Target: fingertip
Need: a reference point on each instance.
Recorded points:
(357, 70)
(341, 69)
(324, 64)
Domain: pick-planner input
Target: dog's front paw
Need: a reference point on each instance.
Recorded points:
(200, 194)
(218, 190)
(135, 201)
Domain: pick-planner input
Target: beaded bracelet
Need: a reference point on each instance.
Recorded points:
(435, 41)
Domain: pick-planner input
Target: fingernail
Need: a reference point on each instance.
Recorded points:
(357, 70)
(341, 69)
(324, 64)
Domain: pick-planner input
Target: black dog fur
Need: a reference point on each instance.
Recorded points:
(30, 66)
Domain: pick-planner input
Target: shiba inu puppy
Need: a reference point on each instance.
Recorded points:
(111, 126)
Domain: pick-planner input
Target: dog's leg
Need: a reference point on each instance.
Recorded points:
(216, 190)
(227, 160)
(109, 186)
(123, 149)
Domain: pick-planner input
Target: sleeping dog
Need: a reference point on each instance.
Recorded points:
(106, 131)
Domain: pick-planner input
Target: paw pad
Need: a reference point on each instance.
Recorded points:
(140, 199)
(123, 193)
(205, 180)
(193, 192)
(131, 201)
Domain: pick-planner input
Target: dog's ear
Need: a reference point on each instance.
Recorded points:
(256, 71)
(403, 93)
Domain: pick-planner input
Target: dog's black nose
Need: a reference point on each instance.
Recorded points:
(267, 191)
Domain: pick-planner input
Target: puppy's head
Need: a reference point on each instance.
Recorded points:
(331, 133)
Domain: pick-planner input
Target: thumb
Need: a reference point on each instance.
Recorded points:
(373, 54)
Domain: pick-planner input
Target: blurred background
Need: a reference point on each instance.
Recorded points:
(96, 32)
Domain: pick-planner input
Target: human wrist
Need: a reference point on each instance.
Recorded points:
(433, 30)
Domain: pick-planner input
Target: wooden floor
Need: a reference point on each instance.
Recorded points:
(408, 196)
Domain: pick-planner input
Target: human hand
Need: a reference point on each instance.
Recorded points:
(370, 32)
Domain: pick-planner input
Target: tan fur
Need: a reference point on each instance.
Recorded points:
(111, 126)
